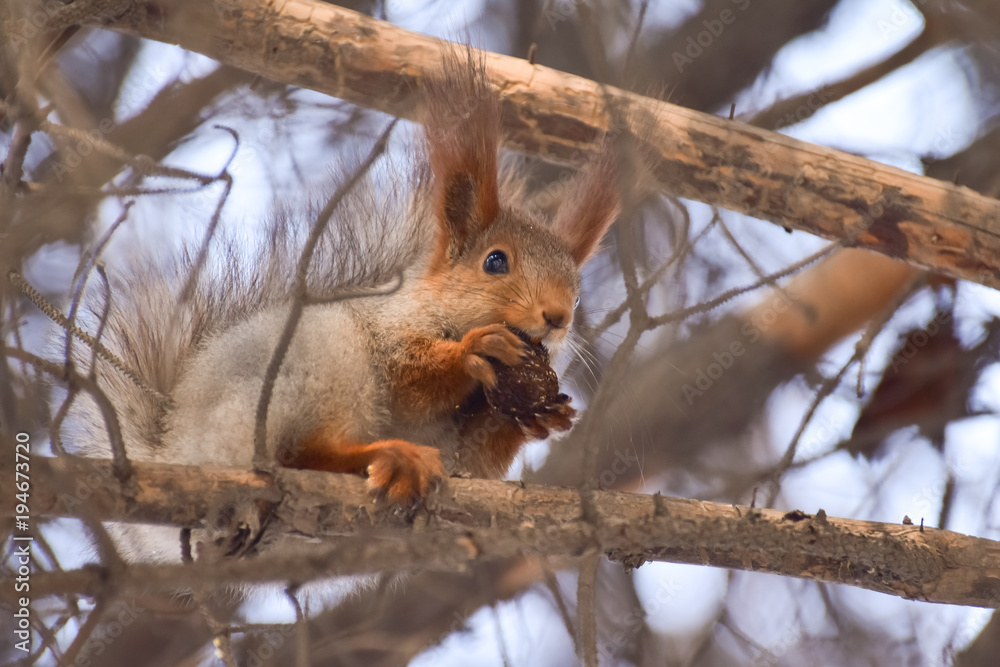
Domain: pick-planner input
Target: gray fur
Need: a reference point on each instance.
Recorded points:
(209, 353)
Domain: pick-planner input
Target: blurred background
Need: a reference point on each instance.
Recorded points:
(762, 396)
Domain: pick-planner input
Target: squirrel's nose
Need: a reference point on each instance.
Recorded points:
(556, 319)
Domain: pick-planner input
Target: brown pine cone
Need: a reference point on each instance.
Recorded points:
(529, 393)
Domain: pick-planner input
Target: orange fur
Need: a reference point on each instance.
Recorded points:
(489, 443)
(401, 470)
(434, 376)
(462, 124)
(431, 379)
(413, 363)
(590, 206)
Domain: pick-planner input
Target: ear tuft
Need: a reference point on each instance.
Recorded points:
(591, 204)
(461, 119)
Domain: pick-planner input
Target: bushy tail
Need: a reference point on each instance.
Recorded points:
(142, 319)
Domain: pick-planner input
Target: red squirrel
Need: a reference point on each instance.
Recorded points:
(386, 386)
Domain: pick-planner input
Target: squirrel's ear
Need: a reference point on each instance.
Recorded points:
(591, 203)
(462, 125)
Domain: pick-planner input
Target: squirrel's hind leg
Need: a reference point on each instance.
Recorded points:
(401, 470)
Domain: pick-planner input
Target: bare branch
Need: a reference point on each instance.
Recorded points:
(477, 520)
(558, 116)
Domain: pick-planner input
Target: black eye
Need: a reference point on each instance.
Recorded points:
(577, 303)
(496, 263)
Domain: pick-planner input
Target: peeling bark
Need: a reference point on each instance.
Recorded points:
(558, 116)
(472, 521)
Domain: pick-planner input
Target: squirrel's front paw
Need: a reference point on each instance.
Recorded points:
(404, 472)
(493, 341)
(554, 417)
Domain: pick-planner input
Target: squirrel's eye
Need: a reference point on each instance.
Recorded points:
(496, 263)
(577, 303)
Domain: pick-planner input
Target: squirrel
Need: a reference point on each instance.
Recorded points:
(389, 386)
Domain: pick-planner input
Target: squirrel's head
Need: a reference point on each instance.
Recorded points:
(493, 261)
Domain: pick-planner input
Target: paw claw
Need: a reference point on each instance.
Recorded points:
(403, 472)
(557, 417)
(494, 341)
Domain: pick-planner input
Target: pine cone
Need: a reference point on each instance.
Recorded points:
(529, 393)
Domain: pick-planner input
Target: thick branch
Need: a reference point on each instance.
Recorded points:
(471, 520)
(557, 116)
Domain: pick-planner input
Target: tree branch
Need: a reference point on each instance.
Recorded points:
(558, 116)
(479, 520)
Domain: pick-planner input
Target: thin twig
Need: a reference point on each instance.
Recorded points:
(652, 279)
(213, 223)
(634, 40)
(12, 168)
(83, 270)
(728, 295)
(560, 601)
(830, 384)
(300, 295)
(301, 629)
(83, 635)
(759, 272)
(53, 314)
(501, 641)
(586, 602)
(122, 467)
(143, 164)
